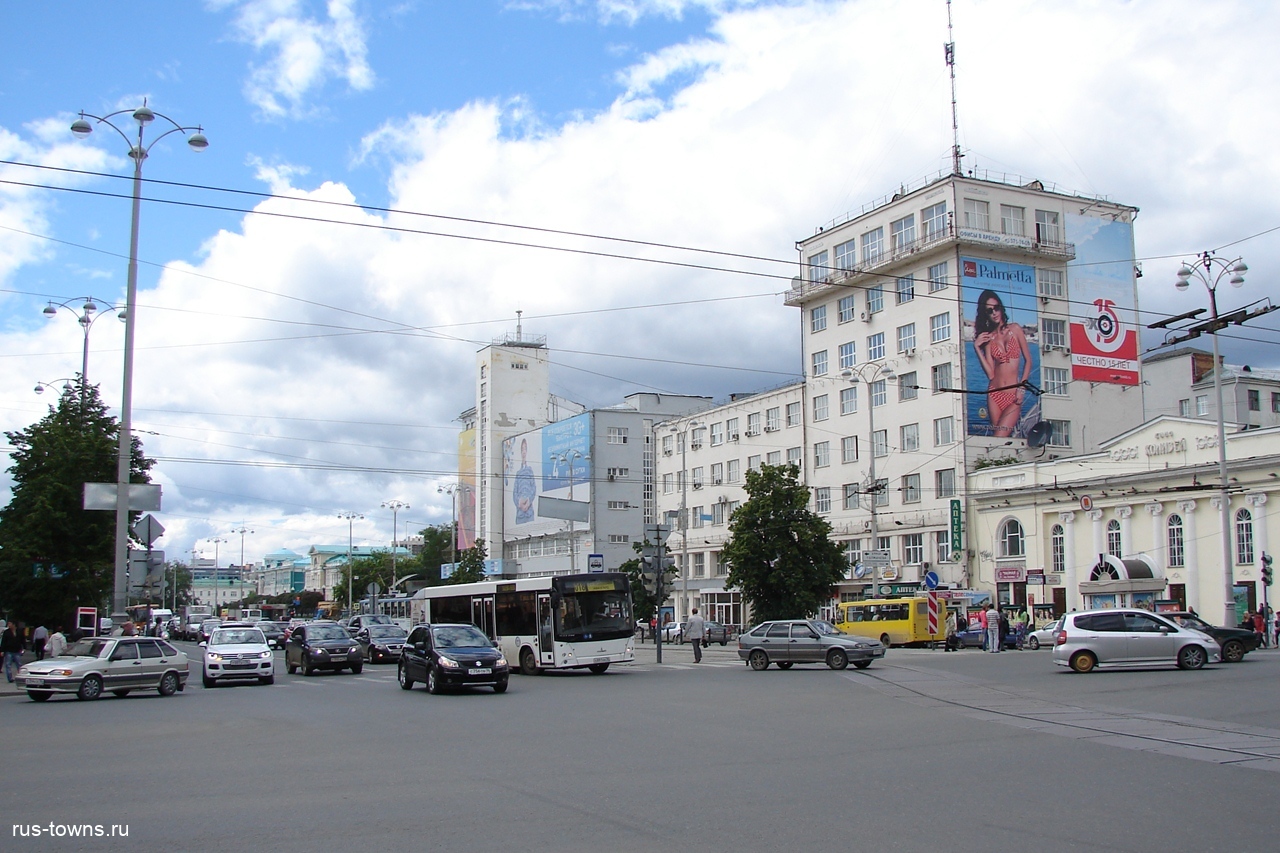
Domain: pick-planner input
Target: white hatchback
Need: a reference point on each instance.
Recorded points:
(1123, 638)
(237, 654)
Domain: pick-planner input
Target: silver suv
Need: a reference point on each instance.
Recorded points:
(1121, 638)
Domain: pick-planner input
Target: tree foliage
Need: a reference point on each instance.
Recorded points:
(643, 602)
(54, 554)
(471, 565)
(780, 554)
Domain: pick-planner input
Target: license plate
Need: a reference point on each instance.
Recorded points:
(480, 671)
(35, 682)
(601, 660)
(241, 666)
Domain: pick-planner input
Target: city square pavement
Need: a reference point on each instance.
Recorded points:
(924, 751)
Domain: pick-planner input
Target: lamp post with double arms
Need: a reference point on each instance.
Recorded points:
(242, 530)
(868, 373)
(89, 312)
(453, 490)
(569, 458)
(395, 507)
(217, 540)
(1211, 271)
(351, 520)
(139, 149)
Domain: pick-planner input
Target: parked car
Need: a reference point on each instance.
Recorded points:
(671, 630)
(449, 655)
(364, 620)
(1044, 636)
(716, 633)
(381, 642)
(1234, 643)
(116, 664)
(1121, 638)
(790, 641)
(971, 637)
(273, 631)
(322, 645)
(238, 653)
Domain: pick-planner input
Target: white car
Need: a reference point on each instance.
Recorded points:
(671, 632)
(1044, 637)
(238, 653)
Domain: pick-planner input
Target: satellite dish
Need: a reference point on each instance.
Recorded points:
(1039, 434)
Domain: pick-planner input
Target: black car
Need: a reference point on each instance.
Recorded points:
(1235, 642)
(451, 656)
(273, 631)
(322, 645)
(381, 642)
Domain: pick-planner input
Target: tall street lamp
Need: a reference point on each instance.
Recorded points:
(453, 490)
(86, 316)
(217, 540)
(870, 373)
(138, 151)
(1210, 271)
(395, 507)
(684, 509)
(351, 520)
(568, 458)
(242, 530)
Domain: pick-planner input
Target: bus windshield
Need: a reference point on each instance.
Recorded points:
(594, 614)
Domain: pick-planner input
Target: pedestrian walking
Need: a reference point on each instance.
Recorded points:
(952, 630)
(57, 645)
(982, 626)
(12, 647)
(694, 631)
(993, 629)
(39, 637)
(1005, 628)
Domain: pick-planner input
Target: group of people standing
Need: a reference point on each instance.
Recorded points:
(15, 641)
(996, 624)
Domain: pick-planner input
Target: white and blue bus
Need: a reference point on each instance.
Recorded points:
(540, 623)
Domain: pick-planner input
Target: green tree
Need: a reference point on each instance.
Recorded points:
(54, 554)
(375, 568)
(780, 554)
(643, 602)
(471, 565)
(436, 551)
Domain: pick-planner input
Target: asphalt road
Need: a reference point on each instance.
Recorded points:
(926, 751)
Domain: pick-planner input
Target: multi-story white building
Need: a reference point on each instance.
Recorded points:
(1180, 382)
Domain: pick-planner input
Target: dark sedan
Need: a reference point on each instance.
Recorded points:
(273, 631)
(1235, 642)
(446, 656)
(322, 645)
(381, 642)
(792, 641)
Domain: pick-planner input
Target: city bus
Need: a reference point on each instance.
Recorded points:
(539, 623)
(892, 621)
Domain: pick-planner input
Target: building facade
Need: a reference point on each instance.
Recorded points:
(1180, 382)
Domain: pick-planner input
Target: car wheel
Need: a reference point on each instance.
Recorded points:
(724, 642)
(90, 688)
(357, 668)
(528, 662)
(307, 668)
(1034, 643)
(1192, 657)
(1233, 651)
(207, 681)
(884, 640)
(500, 687)
(168, 684)
(862, 664)
(837, 659)
(758, 659)
(402, 676)
(120, 693)
(599, 668)
(1083, 661)
(785, 664)
(433, 684)
(267, 679)
(39, 695)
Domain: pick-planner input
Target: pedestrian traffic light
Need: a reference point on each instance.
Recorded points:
(1266, 569)
(649, 574)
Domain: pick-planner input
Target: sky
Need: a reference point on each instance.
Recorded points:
(388, 183)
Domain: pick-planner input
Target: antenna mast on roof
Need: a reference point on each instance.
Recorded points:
(518, 313)
(950, 49)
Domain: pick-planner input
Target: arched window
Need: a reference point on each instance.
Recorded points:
(1176, 544)
(1113, 539)
(1244, 537)
(1057, 549)
(1012, 539)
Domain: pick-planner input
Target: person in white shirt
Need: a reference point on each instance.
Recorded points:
(39, 637)
(694, 630)
(57, 645)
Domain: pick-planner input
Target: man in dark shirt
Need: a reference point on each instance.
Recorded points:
(12, 646)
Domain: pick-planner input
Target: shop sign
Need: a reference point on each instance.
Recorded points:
(1011, 574)
(1035, 576)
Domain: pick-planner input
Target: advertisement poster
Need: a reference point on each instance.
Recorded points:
(1104, 329)
(553, 461)
(466, 494)
(1001, 329)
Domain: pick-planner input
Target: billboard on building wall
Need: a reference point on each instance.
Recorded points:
(552, 461)
(466, 494)
(1001, 329)
(1104, 329)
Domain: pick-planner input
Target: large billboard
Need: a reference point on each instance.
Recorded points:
(553, 461)
(466, 494)
(1104, 329)
(1001, 329)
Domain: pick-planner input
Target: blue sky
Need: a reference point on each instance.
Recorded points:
(329, 362)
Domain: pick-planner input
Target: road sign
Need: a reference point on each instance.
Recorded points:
(930, 580)
(957, 525)
(876, 559)
(933, 612)
(657, 532)
(373, 588)
(143, 497)
(148, 529)
(595, 562)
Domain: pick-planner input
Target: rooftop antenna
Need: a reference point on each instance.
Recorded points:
(518, 313)
(950, 49)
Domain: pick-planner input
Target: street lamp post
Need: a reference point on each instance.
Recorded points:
(868, 373)
(395, 507)
(452, 490)
(86, 317)
(242, 530)
(138, 151)
(684, 518)
(568, 458)
(351, 520)
(1210, 271)
(217, 574)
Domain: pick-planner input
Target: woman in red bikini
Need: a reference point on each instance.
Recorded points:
(1002, 351)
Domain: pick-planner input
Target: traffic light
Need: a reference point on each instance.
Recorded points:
(1266, 569)
(649, 573)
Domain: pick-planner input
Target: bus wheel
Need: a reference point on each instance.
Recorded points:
(884, 640)
(599, 668)
(528, 662)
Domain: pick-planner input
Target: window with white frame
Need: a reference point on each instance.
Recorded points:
(1013, 220)
(880, 442)
(718, 513)
(616, 435)
(906, 288)
(907, 337)
(697, 477)
(911, 489)
(879, 392)
(717, 473)
(846, 256)
(820, 363)
(794, 414)
(1012, 540)
(822, 499)
(944, 431)
(850, 496)
(849, 400)
(734, 469)
(668, 483)
(848, 355)
(910, 437)
(794, 456)
(1244, 537)
(731, 429)
(615, 473)
(699, 564)
(618, 538)
(1115, 546)
(913, 549)
(1057, 549)
(668, 445)
(1202, 405)
(846, 309)
(849, 449)
(1184, 407)
(753, 463)
(818, 267)
(1061, 433)
(1176, 544)
(942, 546)
(944, 482)
(1053, 332)
(821, 454)
(773, 418)
(939, 328)
(852, 552)
(619, 505)
(908, 387)
(902, 232)
(933, 221)
(872, 246)
(882, 499)
(818, 318)
(875, 299)
(753, 423)
(773, 457)
(938, 277)
(875, 346)
(1055, 380)
(717, 434)
(977, 214)
(698, 437)
(1052, 283)
(1047, 228)
(940, 377)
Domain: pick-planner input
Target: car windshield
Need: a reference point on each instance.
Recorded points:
(90, 647)
(384, 631)
(327, 632)
(823, 627)
(459, 637)
(1193, 622)
(377, 619)
(210, 624)
(237, 637)
(594, 615)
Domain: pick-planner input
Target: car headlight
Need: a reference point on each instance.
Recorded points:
(264, 655)
(213, 657)
(65, 673)
(449, 662)
(500, 662)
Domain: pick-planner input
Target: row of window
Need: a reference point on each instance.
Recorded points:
(909, 490)
(912, 548)
(1253, 396)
